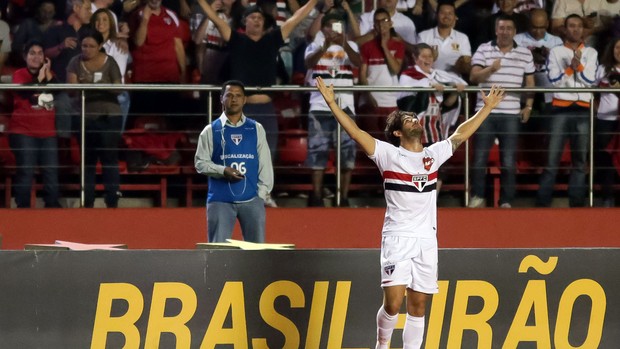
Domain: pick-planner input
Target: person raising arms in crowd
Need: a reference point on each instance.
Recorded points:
(253, 58)
(409, 244)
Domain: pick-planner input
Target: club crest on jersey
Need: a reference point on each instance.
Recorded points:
(419, 181)
(236, 138)
(428, 162)
(389, 269)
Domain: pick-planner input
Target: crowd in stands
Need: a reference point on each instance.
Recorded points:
(409, 43)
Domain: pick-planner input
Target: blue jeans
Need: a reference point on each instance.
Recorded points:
(103, 135)
(30, 152)
(221, 218)
(572, 123)
(506, 128)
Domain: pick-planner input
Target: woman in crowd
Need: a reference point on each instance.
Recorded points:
(103, 115)
(103, 21)
(606, 125)
(32, 130)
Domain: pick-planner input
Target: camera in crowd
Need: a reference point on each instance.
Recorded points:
(614, 78)
(540, 54)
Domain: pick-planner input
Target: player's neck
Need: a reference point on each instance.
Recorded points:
(413, 145)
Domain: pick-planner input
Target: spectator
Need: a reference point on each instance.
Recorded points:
(451, 47)
(403, 26)
(486, 30)
(61, 45)
(32, 129)
(61, 41)
(569, 65)
(253, 58)
(234, 153)
(430, 107)
(539, 42)
(158, 58)
(115, 47)
(500, 62)
(587, 10)
(332, 57)
(103, 116)
(606, 126)
(421, 12)
(211, 51)
(382, 59)
(33, 28)
(5, 43)
(348, 17)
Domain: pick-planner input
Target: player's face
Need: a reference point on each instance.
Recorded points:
(411, 126)
(233, 100)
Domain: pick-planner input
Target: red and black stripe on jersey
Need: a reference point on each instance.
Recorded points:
(414, 183)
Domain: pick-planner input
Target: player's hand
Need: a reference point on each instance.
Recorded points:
(232, 175)
(326, 92)
(496, 95)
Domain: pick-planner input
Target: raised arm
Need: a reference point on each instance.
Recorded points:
(290, 24)
(467, 128)
(366, 141)
(220, 24)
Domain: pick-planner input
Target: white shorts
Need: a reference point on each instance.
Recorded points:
(411, 262)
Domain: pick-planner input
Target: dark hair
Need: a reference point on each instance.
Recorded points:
(233, 83)
(505, 18)
(381, 10)
(269, 20)
(93, 21)
(384, 10)
(394, 122)
(445, 3)
(332, 14)
(572, 15)
(91, 33)
(607, 59)
(417, 48)
(31, 43)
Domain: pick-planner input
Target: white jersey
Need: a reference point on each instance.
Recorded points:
(410, 183)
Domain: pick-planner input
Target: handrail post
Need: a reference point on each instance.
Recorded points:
(82, 148)
(466, 153)
(591, 166)
(338, 158)
(210, 108)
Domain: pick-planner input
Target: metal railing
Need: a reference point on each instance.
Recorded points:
(210, 89)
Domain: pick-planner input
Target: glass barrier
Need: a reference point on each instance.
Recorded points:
(143, 155)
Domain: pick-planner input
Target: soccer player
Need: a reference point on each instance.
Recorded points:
(409, 242)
